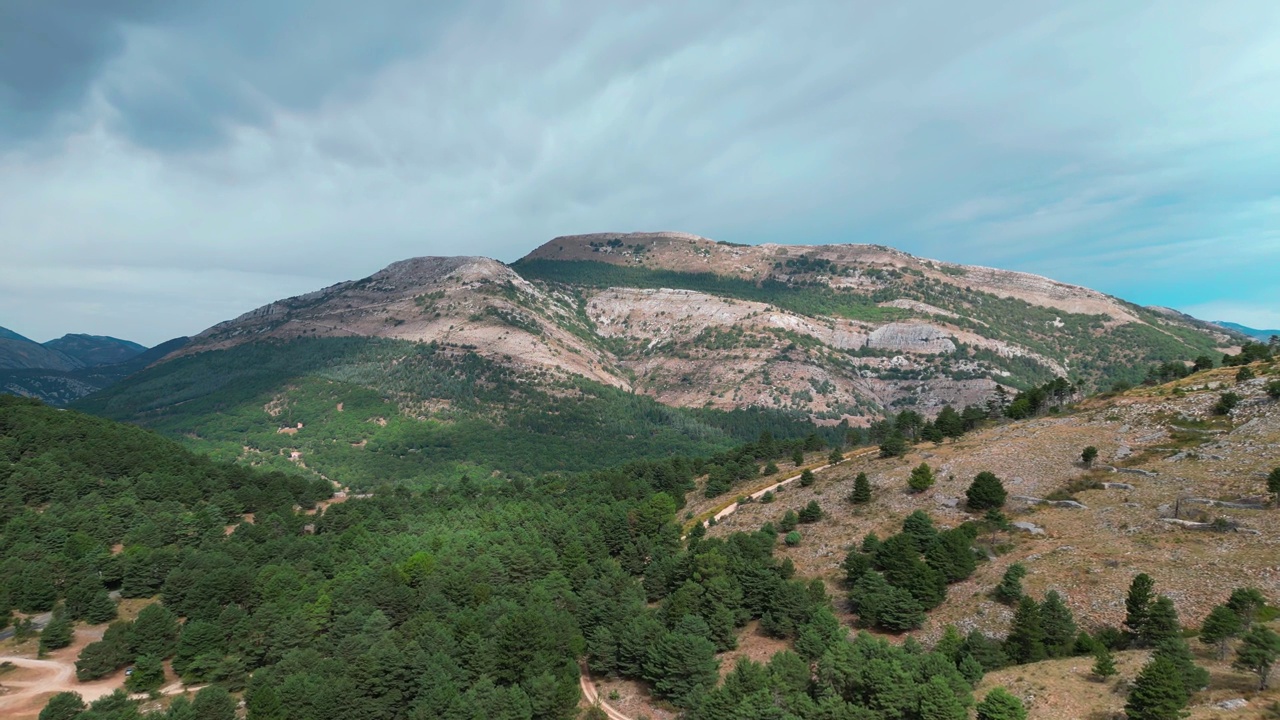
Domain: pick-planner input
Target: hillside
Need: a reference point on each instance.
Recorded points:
(63, 387)
(1259, 335)
(833, 333)
(1179, 491)
(18, 352)
(92, 350)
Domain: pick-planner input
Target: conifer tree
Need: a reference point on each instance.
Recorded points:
(1257, 653)
(999, 704)
(1161, 623)
(57, 634)
(921, 478)
(1158, 692)
(1059, 625)
(1194, 677)
(861, 490)
(938, 701)
(1088, 455)
(807, 478)
(1220, 627)
(788, 521)
(1246, 602)
(63, 706)
(836, 457)
(797, 457)
(1137, 603)
(1025, 643)
(1009, 591)
(1104, 664)
(986, 492)
(811, 513)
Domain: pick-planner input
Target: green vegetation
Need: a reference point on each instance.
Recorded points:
(921, 478)
(861, 493)
(418, 413)
(986, 492)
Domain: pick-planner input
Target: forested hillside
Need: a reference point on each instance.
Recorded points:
(473, 600)
(364, 411)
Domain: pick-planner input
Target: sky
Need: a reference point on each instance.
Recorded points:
(165, 166)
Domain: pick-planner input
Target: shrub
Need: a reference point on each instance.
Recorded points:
(986, 492)
(921, 478)
(792, 538)
(1244, 373)
(1226, 403)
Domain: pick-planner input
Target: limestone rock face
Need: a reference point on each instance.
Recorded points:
(911, 337)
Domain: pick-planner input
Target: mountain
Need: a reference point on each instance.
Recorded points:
(1260, 335)
(18, 352)
(63, 386)
(94, 350)
(627, 344)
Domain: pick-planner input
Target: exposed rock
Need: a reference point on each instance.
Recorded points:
(1052, 503)
(1123, 452)
(1029, 527)
(1233, 704)
(1116, 486)
(911, 337)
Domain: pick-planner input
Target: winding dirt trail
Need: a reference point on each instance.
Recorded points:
(593, 696)
(34, 681)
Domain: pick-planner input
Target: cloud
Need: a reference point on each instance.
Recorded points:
(1127, 147)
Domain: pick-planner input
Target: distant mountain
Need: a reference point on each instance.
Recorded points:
(573, 335)
(1263, 335)
(94, 350)
(18, 352)
(61, 385)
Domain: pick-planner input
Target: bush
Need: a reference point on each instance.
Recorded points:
(792, 538)
(1244, 373)
(986, 492)
(921, 478)
(1226, 403)
(1273, 389)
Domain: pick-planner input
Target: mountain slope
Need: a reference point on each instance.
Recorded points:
(94, 350)
(1261, 335)
(595, 328)
(62, 387)
(17, 352)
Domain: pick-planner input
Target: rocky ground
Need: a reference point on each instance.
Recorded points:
(1170, 455)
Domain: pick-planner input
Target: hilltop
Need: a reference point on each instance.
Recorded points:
(834, 332)
(73, 366)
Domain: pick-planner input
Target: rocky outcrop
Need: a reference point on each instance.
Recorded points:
(911, 337)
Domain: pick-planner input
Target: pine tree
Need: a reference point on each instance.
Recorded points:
(999, 704)
(1194, 677)
(1158, 692)
(811, 513)
(895, 445)
(682, 662)
(1088, 455)
(57, 634)
(1025, 643)
(1137, 603)
(214, 703)
(861, 490)
(949, 422)
(1258, 652)
(921, 478)
(788, 521)
(148, 674)
(985, 492)
(1246, 602)
(938, 701)
(836, 457)
(1161, 623)
(807, 478)
(1104, 664)
(797, 457)
(63, 706)
(1009, 591)
(1059, 625)
(1220, 627)
(919, 527)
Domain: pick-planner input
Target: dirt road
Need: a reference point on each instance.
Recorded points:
(593, 696)
(35, 681)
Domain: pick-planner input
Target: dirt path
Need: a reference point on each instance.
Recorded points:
(35, 681)
(593, 696)
(723, 512)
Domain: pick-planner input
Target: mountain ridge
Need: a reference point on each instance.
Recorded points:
(835, 332)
